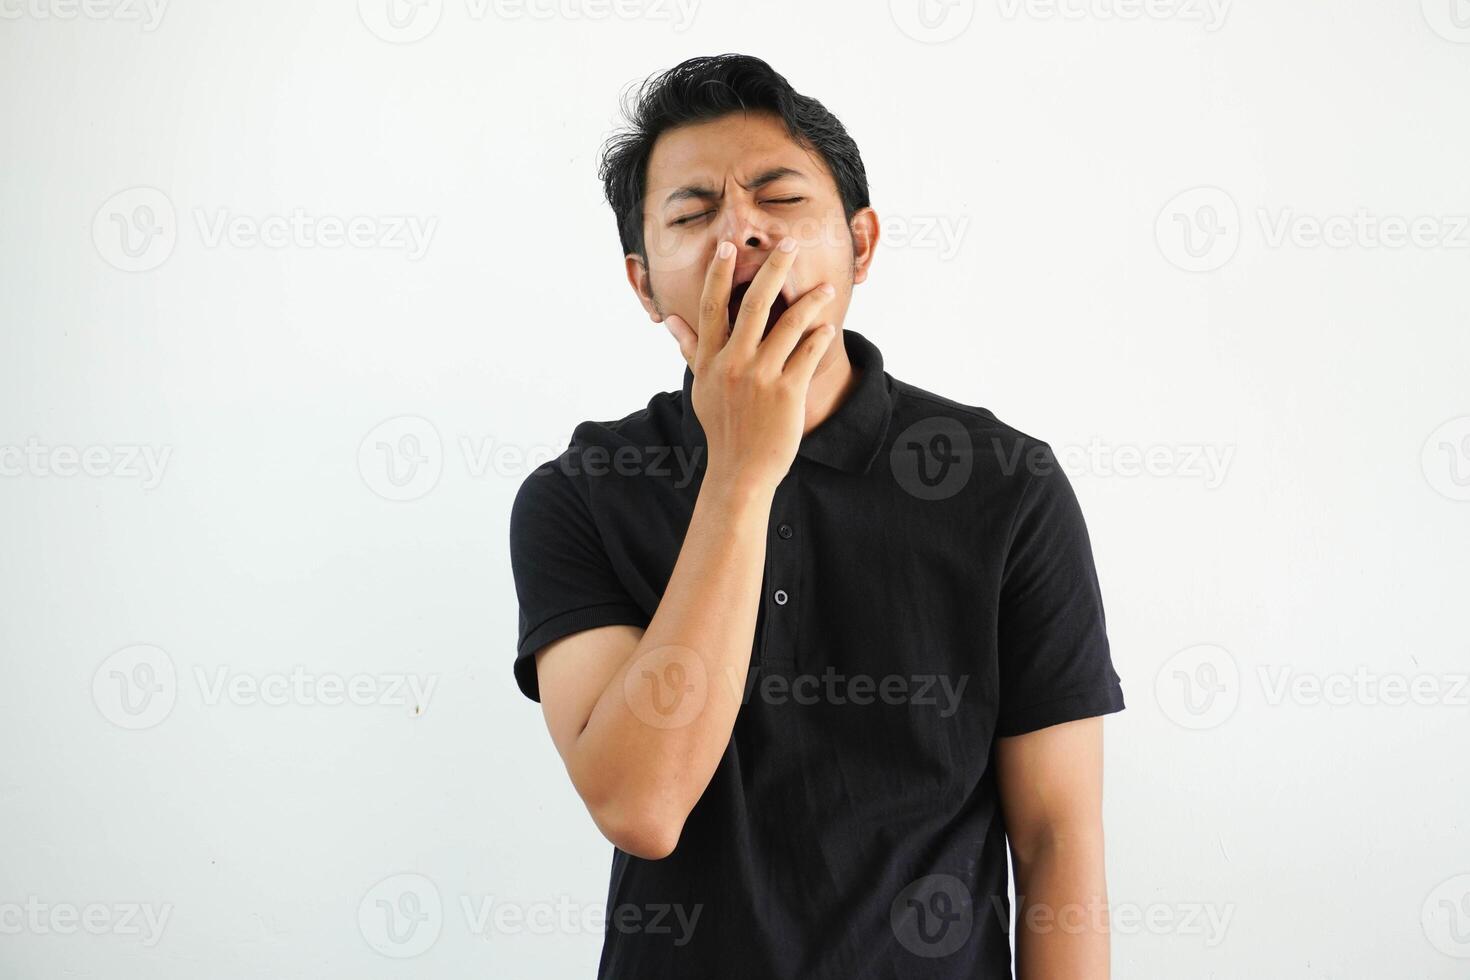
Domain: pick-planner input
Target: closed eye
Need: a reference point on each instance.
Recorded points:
(695, 217)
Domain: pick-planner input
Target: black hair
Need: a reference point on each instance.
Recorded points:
(703, 89)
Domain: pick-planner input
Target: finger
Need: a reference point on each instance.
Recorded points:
(786, 334)
(808, 353)
(714, 303)
(755, 308)
(687, 339)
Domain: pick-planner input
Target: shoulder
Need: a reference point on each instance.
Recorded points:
(656, 423)
(598, 446)
(997, 448)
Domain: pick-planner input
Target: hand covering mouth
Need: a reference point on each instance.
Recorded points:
(778, 307)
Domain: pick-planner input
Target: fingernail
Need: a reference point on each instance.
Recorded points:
(827, 289)
(787, 245)
(726, 249)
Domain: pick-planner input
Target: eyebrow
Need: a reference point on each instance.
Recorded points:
(703, 192)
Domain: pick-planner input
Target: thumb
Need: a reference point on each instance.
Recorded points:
(685, 336)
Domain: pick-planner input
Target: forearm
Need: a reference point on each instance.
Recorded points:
(1061, 909)
(654, 739)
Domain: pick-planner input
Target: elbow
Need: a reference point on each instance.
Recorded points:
(641, 831)
(640, 817)
(650, 844)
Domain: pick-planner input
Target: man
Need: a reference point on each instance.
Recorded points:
(814, 644)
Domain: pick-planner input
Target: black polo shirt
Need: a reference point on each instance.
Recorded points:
(929, 586)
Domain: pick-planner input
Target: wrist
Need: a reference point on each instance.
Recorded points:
(734, 491)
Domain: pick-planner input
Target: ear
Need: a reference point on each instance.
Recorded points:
(638, 278)
(864, 226)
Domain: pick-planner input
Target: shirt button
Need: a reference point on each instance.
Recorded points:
(784, 530)
(780, 597)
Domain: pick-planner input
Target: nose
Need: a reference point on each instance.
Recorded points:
(745, 225)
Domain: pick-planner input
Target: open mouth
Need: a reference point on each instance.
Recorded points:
(779, 305)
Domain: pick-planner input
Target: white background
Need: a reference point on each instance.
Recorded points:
(1027, 162)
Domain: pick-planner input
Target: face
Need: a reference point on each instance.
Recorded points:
(741, 178)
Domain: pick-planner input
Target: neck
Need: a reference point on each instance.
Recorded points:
(833, 381)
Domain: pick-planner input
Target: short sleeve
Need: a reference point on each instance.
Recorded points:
(1055, 663)
(564, 580)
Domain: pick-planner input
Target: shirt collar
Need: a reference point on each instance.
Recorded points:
(848, 439)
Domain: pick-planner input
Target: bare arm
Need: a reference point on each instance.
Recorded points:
(642, 718)
(1051, 795)
(639, 751)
